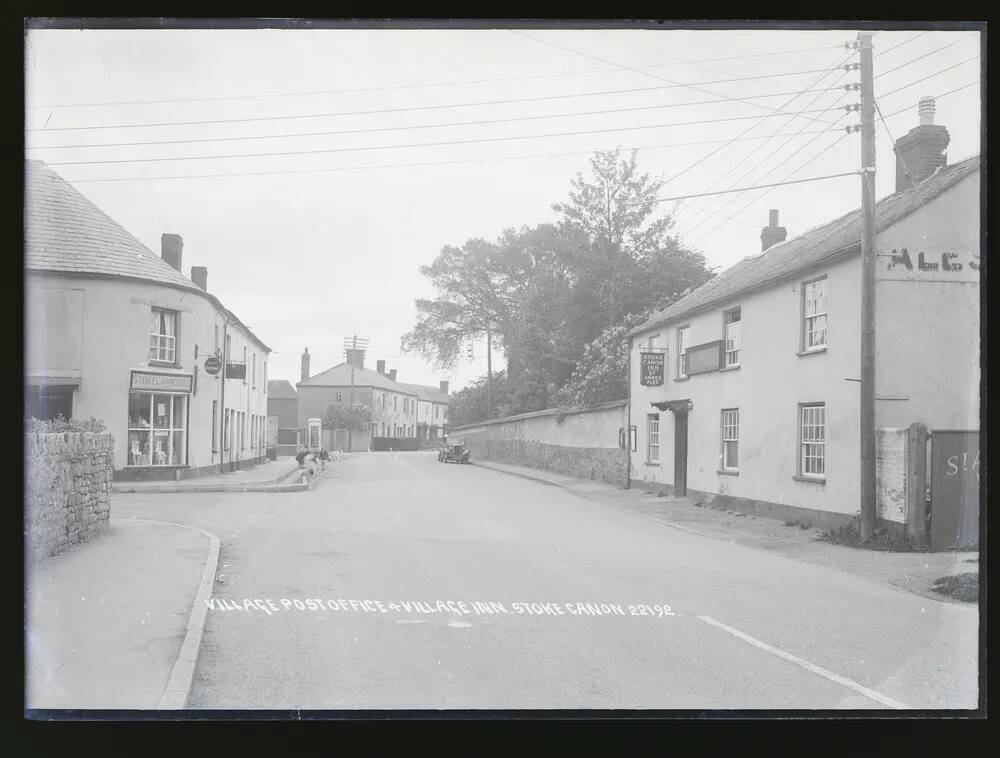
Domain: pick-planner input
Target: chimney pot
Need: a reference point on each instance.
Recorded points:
(925, 109)
(305, 364)
(773, 217)
(444, 387)
(392, 374)
(199, 275)
(380, 366)
(171, 246)
(921, 151)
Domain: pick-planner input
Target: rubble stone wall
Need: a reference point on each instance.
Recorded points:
(579, 442)
(67, 490)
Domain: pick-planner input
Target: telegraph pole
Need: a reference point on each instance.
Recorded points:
(489, 371)
(867, 287)
(351, 351)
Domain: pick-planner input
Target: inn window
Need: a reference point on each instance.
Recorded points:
(814, 315)
(733, 336)
(163, 335)
(653, 341)
(157, 429)
(215, 421)
(812, 440)
(653, 428)
(253, 376)
(244, 365)
(730, 439)
(683, 341)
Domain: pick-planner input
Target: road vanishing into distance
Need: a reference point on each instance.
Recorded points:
(403, 583)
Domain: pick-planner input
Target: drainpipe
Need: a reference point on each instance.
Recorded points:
(222, 403)
(628, 419)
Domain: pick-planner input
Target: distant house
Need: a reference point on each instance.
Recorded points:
(747, 388)
(393, 407)
(432, 409)
(283, 403)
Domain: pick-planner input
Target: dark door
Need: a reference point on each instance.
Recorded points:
(955, 469)
(680, 452)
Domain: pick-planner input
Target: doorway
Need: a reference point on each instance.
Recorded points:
(680, 452)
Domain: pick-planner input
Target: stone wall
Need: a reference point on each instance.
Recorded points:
(579, 442)
(67, 490)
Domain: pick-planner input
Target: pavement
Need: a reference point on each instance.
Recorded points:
(281, 475)
(108, 620)
(405, 583)
(914, 572)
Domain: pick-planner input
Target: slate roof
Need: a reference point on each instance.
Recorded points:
(281, 389)
(426, 392)
(64, 232)
(340, 376)
(841, 236)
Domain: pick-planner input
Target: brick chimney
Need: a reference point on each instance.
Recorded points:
(392, 375)
(305, 365)
(444, 388)
(356, 357)
(170, 249)
(199, 275)
(921, 151)
(772, 234)
(380, 366)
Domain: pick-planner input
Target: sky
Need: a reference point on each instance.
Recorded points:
(430, 137)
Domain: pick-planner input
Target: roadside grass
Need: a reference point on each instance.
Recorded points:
(964, 587)
(883, 539)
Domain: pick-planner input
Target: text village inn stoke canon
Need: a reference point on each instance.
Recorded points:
(117, 332)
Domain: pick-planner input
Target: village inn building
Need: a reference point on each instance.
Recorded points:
(114, 331)
(747, 388)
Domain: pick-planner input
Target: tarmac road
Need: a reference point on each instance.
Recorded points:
(566, 580)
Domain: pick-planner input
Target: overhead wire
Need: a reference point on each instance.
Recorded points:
(507, 101)
(440, 143)
(422, 164)
(508, 119)
(846, 57)
(424, 85)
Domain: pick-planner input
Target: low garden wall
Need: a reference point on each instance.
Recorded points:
(67, 489)
(580, 442)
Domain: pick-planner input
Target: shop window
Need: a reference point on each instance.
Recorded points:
(163, 336)
(157, 428)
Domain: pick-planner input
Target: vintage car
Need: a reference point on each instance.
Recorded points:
(454, 451)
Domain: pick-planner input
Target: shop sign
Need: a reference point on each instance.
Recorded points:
(651, 374)
(143, 380)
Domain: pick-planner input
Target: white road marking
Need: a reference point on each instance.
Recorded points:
(410, 467)
(458, 625)
(842, 680)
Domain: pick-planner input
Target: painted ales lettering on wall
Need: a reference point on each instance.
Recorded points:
(652, 369)
(947, 261)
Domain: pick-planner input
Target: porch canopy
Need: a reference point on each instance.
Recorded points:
(673, 405)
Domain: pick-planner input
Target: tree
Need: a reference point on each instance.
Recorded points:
(468, 405)
(631, 264)
(356, 417)
(602, 373)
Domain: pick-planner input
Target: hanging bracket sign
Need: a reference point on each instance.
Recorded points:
(651, 373)
(212, 365)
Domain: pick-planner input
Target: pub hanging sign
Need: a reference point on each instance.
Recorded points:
(651, 373)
